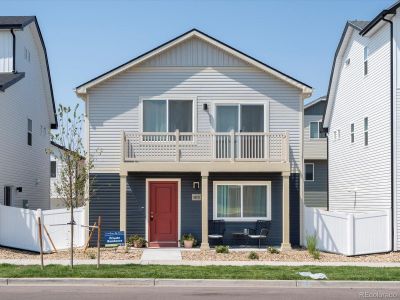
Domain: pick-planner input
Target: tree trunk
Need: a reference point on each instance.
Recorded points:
(72, 237)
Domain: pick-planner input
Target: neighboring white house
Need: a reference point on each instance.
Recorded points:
(194, 132)
(26, 116)
(363, 117)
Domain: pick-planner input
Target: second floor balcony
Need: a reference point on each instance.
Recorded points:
(205, 147)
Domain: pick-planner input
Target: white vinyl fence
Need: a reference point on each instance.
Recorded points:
(348, 233)
(19, 228)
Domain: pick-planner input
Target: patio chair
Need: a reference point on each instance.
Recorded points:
(216, 229)
(260, 232)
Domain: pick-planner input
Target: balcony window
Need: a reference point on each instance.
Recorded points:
(317, 130)
(240, 117)
(167, 115)
(242, 201)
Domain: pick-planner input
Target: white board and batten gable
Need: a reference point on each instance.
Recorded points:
(365, 176)
(196, 66)
(27, 108)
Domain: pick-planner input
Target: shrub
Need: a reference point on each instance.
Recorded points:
(188, 237)
(222, 249)
(273, 250)
(316, 254)
(311, 243)
(91, 254)
(136, 241)
(253, 255)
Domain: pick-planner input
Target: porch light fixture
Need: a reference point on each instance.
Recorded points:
(196, 185)
(19, 189)
(205, 106)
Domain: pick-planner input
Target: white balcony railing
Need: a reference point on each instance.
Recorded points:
(205, 146)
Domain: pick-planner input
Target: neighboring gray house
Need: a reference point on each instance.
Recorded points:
(196, 131)
(56, 166)
(26, 116)
(315, 155)
(363, 118)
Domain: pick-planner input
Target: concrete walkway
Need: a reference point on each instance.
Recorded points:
(161, 255)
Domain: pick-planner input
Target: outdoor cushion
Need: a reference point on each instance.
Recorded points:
(215, 236)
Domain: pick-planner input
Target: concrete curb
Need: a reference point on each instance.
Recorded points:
(150, 282)
(224, 283)
(81, 281)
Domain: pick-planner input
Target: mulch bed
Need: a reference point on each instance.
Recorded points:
(295, 255)
(91, 253)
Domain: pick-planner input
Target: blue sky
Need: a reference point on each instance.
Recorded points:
(88, 37)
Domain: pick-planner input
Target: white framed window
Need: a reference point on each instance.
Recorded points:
(316, 130)
(309, 171)
(29, 131)
(240, 117)
(366, 53)
(53, 169)
(352, 133)
(242, 200)
(27, 54)
(366, 131)
(168, 115)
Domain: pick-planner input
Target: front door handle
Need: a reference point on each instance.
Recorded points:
(151, 216)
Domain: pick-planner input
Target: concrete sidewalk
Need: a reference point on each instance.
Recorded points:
(195, 283)
(65, 262)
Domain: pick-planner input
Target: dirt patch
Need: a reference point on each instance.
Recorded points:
(295, 255)
(91, 253)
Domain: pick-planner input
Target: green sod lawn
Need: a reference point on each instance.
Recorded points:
(202, 272)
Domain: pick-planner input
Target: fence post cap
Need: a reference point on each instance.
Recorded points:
(38, 213)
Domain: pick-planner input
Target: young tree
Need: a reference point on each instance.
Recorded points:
(74, 185)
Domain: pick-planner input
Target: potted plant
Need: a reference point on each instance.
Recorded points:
(188, 240)
(137, 241)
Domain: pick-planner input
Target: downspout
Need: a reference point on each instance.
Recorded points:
(391, 125)
(13, 66)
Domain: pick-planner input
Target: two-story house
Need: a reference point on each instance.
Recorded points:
(363, 117)
(26, 116)
(315, 155)
(195, 131)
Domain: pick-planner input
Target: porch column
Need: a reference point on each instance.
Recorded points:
(285, 212)
(204, 211)
(122, 203)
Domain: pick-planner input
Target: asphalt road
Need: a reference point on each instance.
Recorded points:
(121, 292)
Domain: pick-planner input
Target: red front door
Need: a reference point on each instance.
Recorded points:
(163, 214)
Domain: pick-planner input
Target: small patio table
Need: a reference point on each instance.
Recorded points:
(242, 235)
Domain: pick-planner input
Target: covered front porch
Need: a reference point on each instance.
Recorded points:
(197, 200)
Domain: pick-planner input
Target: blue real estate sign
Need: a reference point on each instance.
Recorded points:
(114, 238)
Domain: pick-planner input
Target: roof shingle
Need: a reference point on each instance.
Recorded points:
(15, 21)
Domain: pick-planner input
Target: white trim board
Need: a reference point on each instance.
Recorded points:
(242, 183)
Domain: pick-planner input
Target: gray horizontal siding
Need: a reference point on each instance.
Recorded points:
(316, 109)
(316, 192)
(105, 202)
